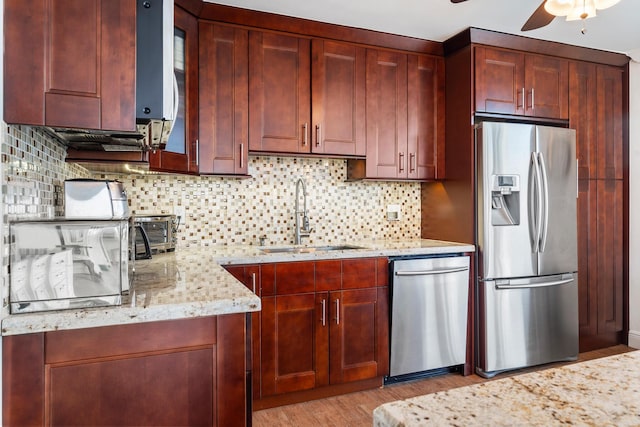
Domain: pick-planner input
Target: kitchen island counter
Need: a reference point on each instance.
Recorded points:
(193, 283)
(602, 391)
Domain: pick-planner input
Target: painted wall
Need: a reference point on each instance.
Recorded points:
(634, 200)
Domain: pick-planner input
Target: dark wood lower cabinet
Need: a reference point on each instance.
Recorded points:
(289, 332)
(324, 328)
(183, 372)
(358, 337)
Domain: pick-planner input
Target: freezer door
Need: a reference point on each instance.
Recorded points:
(527, 322)
(505, 233)
(557, 158)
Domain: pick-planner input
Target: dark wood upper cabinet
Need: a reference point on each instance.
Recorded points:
(279, 87)
(583, 109)
(338, 98)
(426, 103)
(386, 116)
(224, 99)
(180, 154)
(74, 66)
(610, 122)
(597, 116)
(517, 83)
(404, 118)
(499, 77)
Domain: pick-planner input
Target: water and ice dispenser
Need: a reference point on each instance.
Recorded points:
(505, 200)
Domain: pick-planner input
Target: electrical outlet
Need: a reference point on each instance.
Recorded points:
(393, 212)
(180, 212)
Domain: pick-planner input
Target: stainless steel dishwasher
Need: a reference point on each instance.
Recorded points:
(429, 299)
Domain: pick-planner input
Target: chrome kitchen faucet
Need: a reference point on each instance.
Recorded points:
(305, 231)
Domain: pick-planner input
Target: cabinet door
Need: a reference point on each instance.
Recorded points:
(610, 123)
(280, 104)
(386, 115)
(251, 276)
(610, 252)
(180, 152)
(547, 87)
(292, 335)
(426, 117)
(583, 104)
(189, 371)
(83, 393)
(74, 66)
(224, 100)
(359, 334)
(338, 96)
(587, 258)
(499, 77)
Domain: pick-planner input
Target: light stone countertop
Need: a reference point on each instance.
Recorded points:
(599, 392)
(192, 283)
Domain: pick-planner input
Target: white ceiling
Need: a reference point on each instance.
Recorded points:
(616, 29)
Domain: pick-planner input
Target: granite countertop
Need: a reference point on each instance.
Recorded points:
(192, 282)
(599, 392)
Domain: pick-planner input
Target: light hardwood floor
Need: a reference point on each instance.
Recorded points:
(356, 409)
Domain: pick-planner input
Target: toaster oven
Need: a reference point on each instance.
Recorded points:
(161, 231)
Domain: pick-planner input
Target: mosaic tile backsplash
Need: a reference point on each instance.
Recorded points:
(33, 174)
(216, 210)
(240, 211)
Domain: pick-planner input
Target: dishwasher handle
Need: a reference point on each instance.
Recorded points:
(430, 272)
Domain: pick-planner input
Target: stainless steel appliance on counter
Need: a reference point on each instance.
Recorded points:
(161, 231)
(527, 246)
(63, 264)
(104, 199)
(429, 304)
(94, 198)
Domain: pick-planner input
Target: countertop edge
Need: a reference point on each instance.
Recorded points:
(243, 302)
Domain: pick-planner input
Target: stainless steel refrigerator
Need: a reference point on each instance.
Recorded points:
(527, 292)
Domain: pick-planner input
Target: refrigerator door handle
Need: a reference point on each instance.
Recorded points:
(545, 202)
(536, 285)
(535, 203)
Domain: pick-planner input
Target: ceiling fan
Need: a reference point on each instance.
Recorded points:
(572, 9)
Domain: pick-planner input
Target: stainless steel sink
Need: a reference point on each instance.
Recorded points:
(309, 249)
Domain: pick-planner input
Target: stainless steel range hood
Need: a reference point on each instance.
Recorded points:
(156, 88)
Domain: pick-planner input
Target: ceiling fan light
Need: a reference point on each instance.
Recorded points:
(584, 9)
(559, 7)
(603, 4)
(580, 14)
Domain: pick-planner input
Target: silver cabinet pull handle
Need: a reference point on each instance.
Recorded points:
(304, 137)
(241, 155)
(401, 162)
(317, 135)
(197, 151)
(324, 312)
(412, 162)
(533, 99)
(523, 98)
(338, 311)
(253, 281)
